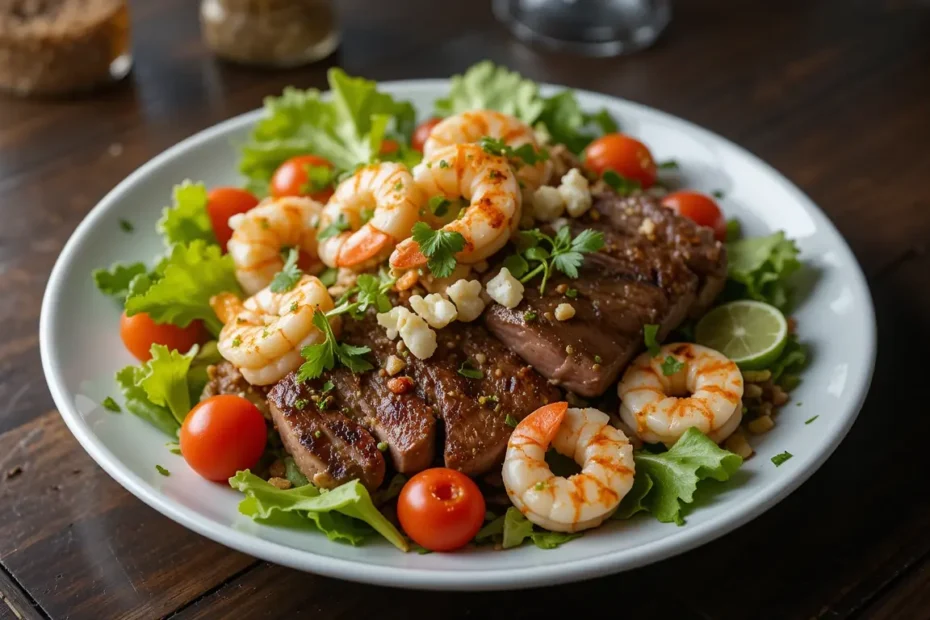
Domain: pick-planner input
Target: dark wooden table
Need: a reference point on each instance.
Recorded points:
(836, 94)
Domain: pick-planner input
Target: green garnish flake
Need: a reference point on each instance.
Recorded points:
(439, 205)
(329, 276)
(126, 226)
(317, 434)
(718, 194)
(290, 274)
(399, 186)
(439, 247)
(734, 230)
(545, 254)
(340, 225)
(318, 179)
(111, 405)
(162, 470)
(443, 163)
(522, 155)
(597, 359)
(670, 164)
(323, 356)
(529, 317)
(539, 486)
(649, 337)
(366, 214)
(670, 366)
(468, 370)
(173, 447)
(328, 387)
(808, 421)
(294, 306)
(571, 293)
(778, 459)
(301, 403)
(624, 186)
(382, 446)
(511, 421)
(236, 341)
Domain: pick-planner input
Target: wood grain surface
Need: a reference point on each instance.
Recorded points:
(834, 93)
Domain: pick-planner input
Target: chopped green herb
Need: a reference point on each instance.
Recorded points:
(443, 163)
(236, 341)
(301, 403)
(111, 405)
(597, 359)
(563, 253)
(382, 446)
(323, 356)
(294, 306)
(571, 293)
(468, 370)
(173, 447)
(264, 223)
(718, 194)
(621, 184)
(808, 421)
(290, 274)
(511, 421)
(539, 486)
(399, 186)
(127, 226)
(340, 225)
(366, 215)
(649, 337)
(323, 403)
(328, 387)
(328, 276)
(522, 155)
(318, 179)
(734, 230)
(317, 434)
(670, 164)
(529, 316)
(671, 366)
(162, 470)
(439, 205)
(778, 459)
(439, 247)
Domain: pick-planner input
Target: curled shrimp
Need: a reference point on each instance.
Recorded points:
(473, 125)
(706, 393)
(583, 500)
(487, 182)
(264, 334)
(378, 205)
(262, 236)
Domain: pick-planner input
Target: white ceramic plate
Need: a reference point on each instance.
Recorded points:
(81, 350)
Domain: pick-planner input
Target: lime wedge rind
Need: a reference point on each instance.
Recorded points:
(751, 333)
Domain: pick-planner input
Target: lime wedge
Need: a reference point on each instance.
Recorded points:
(750, 333)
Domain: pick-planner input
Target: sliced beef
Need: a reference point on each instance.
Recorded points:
(657, 273)
(224, 378)
(328, 447)
(474, 411)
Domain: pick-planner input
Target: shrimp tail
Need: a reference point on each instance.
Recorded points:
(362, 246)
(544, 422)
(407, 255)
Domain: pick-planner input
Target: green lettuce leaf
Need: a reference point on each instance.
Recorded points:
(759, 268)
(191, 275)
(338, 513)
(186, 220)
(347, 129)
(115, 281)
(792, 359)
(674, 475)
(567, 124)
(164, 380)
(136, 401)
(512, 529)
(197, 377)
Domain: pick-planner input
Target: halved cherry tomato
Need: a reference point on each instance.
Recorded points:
(700, 209)
(421, 133)
(139, 332)
(624, 155)
(222, 204)
(222, 435)
(441, 509)
(290, 179)
(389, 146)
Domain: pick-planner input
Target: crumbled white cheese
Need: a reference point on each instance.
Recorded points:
(548, 203)
(563, 312)
(466, 295)
(559, 224)
(433, 309)
(505, 289)
(419, 338)
(392, 321)
(648, 228)
(575, 192)
(394, 365)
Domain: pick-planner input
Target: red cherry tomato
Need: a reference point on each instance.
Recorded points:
(389, 146)
(624, 155)
(222, 204)
(700, 209)
(290, 179)
(222, 435)
(421, 133)
(441, 509)
(139, 332)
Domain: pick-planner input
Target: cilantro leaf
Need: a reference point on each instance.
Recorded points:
(566, 123)
(517, 265)
(778, 459)
(674, 476)
(353, 357)
(341, 224)
(290, 274)
(328, 276)
(467, 369)
(670, 366)
(190, 275)
(568, 263)
(525, 154)
(587, 241)
(115, 280)
(510, 421)
(649, 338)
(439, 247)
(622, 185)
(565, 254)
(186, 220)
(439, 205)
(759, 268)
(318, 357)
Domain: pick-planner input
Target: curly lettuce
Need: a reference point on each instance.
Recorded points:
(186, 220)
(760, 267)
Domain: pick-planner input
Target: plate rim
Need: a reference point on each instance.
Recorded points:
(443, 579)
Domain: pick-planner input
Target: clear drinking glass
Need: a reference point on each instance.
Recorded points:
(586, 27)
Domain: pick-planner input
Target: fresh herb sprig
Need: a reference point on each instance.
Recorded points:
(541, 254)
(290, 274)
(524, 154)
(439, 247)
(341, 224)
(319, 178)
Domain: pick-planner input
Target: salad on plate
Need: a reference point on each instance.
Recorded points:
(506, 323)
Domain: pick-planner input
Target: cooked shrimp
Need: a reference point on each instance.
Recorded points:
(581, 501)
(262, 236)
(656, 407)
(474, 125)
(264, 334)
(487, 182)
(379, 204)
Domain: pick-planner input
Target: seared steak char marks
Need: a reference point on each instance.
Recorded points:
(328, 447)
(659, 273)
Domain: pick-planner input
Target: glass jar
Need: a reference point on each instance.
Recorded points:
(280, 33)
(58, 47)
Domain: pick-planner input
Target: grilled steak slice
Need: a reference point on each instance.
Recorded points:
(655, 274)
(328, 448)
(224, 378)
(403, 421)
(474, 410)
